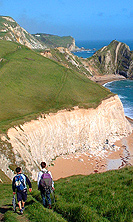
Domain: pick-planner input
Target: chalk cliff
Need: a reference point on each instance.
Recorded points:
(67, 131)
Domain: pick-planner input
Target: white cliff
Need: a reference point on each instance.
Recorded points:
(67, 131)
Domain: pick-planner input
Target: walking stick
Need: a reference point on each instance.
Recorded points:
(14, 203)
(52, 192)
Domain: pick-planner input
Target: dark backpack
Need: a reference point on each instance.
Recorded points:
(45, 181)
(20, 182)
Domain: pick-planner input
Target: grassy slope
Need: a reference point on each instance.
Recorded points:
(106, 197)
(31, 84)
(54, 40)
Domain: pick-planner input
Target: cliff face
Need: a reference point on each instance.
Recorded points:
(66, 132)
(11, 31)
(71, 47)
(116, 58)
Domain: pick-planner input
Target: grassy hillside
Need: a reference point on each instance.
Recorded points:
(31, 84)
(53, 41)
(105, 197)
(69, 60)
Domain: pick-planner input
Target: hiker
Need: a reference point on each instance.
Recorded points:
(19, 183)
(45, 184)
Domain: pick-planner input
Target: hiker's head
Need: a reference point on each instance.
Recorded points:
(18, 170)
(43, 165)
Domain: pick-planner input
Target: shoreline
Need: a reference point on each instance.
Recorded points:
(86, 163)
(107, 78)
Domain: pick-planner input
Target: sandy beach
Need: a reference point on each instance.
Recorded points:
(107, 78)
(87, 163)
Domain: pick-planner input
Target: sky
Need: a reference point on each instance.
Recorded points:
(81, 19)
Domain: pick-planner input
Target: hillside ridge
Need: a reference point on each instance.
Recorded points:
(10, 30)
(54, 41)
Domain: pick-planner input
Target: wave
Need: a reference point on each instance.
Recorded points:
(124, 89)
(122, 97)
(128, 112)
(107, 84)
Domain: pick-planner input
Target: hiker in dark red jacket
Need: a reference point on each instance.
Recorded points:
(19, 184)
(45, 191)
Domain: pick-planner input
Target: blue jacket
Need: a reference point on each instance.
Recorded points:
(26, 180)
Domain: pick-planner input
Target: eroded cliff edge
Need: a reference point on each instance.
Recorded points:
(67, 131)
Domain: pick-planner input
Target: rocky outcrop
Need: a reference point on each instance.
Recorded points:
(68, 131)
(71, 46)
(116, 58)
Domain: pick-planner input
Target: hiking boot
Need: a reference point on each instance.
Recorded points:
(23, 208)
(21, 211)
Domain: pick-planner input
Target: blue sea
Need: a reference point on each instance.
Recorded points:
(94, 45)
(123, 88)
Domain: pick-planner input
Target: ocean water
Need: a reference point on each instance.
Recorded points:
(124, 89)
(91, 45)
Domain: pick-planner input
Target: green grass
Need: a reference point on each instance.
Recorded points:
(31, 84)
(53, 41)
(99, 197)
(105, 197)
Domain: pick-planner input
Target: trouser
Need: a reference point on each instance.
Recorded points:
(46, 194)
(22, 195)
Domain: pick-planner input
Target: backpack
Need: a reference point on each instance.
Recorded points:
(45, 181)
(20, 182)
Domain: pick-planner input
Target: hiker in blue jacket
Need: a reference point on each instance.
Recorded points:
(44, 188)
(19, 184)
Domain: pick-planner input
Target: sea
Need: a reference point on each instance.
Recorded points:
(123, 88)
(94, 45)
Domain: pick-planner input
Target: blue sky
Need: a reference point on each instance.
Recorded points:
(82, 19)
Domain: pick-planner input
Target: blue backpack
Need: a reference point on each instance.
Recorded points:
(20, 182)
